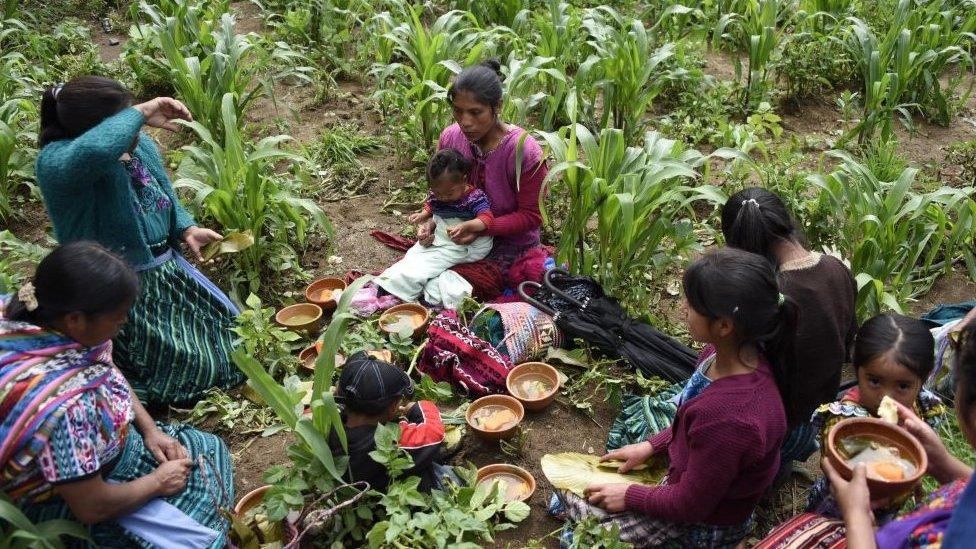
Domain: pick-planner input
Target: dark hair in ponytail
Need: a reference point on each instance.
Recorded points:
(72, 109)
(483, 81)
(909, 339)
(742, 286)
(447, 160)
(753, 219)
(81, 276)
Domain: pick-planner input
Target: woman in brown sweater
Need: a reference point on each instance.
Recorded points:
(823, 288)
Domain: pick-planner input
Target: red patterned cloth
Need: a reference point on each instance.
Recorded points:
(454, 354)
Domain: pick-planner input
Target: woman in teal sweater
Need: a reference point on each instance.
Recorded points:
(104, 180)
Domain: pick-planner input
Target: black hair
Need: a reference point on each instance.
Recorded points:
(483, 81)
(70, 110)
(81, 276)
(447, 161)
(965, 370)
(754, 219)
(908, 338)
(742, 287)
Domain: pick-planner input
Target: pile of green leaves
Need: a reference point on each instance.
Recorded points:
(232, 415)
(264, 340)
(463, 517)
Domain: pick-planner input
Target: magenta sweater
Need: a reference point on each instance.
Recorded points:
(724, 453)
(515, 207)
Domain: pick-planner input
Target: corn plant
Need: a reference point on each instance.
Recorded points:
(897, 240)
(756, 27)
(525, 86)
(16, 152)
(426, 58)
(625, 68)
(633, 192)
(901, 70)
(17, 258)
(556, 33)
(234, 183)
(504, 13)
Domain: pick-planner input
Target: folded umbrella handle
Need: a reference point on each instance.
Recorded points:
(533, 301)
(552, 287)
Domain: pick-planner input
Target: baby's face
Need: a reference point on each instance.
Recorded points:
(449, 187)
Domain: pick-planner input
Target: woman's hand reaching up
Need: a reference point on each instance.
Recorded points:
(161, 112)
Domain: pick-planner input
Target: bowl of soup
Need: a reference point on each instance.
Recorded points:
(534, 384)
(403, 317)
(310, 354)
(301, 317)
(495, 417)
(515, 483)
(325, 292)
(894, 459)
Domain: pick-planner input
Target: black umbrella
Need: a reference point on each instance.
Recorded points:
(600, 320)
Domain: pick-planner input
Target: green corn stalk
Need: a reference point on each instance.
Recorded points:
(227, 71)
(631, 191)
(525, 86)
(901, 70)
(898, 240)
(233, 182)
(417, 84)
(16, 152)
(624, 68)
(557, 34)
(755, 26)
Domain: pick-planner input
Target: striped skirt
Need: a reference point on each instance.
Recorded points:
(643, 416)
(177, 341)
(208, 490)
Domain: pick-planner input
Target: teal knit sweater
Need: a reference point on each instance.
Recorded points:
(88, 193)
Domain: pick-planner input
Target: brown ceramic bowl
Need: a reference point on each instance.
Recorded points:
(301, 317)
(250, 500)
(310, 354)
(320, 292)
(534, 369)
(506, 468)
(420, 317)
(495, 400)
(882, 431)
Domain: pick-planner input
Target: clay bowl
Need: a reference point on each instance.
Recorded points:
(506, 468)
(882, 431)
(311, 312)
(495, 400)
(535, 370)
(310, 354)
(420, 317)
(250, 500)
(315, 290)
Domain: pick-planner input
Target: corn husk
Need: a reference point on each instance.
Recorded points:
(232, 242)
(574, 472)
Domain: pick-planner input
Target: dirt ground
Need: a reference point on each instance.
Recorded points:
(558, 428)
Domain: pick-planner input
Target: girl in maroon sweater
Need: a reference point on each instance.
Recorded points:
(724, 443)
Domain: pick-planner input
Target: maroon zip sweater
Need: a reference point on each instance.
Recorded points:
(724, 452)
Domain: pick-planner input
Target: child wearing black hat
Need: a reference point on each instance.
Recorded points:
(372, 392)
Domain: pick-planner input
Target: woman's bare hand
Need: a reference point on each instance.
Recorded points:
(161, 112)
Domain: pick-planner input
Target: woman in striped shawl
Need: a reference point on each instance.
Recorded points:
(74, 441)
